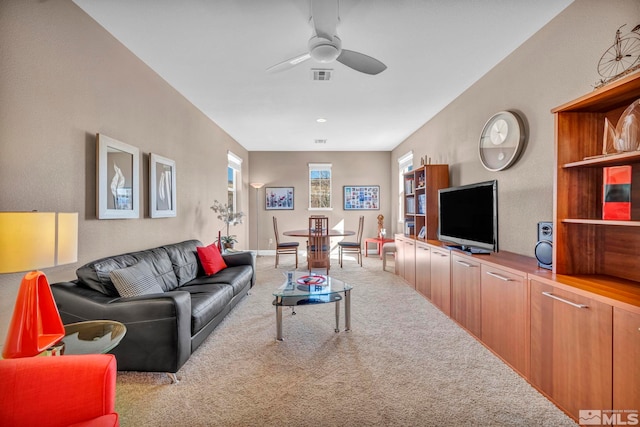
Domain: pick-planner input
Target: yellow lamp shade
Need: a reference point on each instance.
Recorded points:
(67, 244)
(27, 241)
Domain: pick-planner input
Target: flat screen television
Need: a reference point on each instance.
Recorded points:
(468, 217)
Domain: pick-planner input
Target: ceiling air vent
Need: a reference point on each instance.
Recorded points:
(321, 74)
(320, 141)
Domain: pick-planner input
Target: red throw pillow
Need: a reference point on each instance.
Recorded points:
(211, 260)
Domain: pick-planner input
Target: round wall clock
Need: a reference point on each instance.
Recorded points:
(501, 141)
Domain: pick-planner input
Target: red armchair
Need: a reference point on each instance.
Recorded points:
(58, 391)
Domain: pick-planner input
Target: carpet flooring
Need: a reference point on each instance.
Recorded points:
(404, 363)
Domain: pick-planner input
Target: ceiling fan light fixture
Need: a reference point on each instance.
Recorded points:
(324, 50)
(325, 53)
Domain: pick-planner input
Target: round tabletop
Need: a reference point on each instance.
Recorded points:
(331, 233)
(93, 336)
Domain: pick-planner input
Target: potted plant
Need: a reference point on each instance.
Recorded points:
(228, 241)
(229, 217)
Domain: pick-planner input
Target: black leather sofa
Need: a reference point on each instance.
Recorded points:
(163, 329)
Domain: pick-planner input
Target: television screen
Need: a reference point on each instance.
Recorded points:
(468, 216)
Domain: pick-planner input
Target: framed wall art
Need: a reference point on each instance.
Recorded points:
(279, 198)
(118, 179)
(361, 197)
(162, 187)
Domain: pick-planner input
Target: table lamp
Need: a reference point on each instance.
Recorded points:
(257, 186)
(29, 241)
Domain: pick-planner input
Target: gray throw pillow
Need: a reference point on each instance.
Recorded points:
(135, 280)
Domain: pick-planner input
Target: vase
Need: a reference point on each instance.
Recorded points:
(627, 135)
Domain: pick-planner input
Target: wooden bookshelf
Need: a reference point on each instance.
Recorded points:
(585, 244)
(421, 187)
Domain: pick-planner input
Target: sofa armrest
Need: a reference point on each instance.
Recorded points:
(158, 334)
(67, 389)
(242, 258)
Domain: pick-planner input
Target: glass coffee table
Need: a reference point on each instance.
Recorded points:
(312, 289)
(90, 337)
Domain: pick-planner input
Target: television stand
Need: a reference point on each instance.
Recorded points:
(470, 249)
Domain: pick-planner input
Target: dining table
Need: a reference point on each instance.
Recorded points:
(327, 234)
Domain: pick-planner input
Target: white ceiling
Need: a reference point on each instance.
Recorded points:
(215, 53)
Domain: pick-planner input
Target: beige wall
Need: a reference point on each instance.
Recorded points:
(290, 169)
(64, 79)
(555, 66)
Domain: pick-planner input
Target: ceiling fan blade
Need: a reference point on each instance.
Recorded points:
(289, 63)
(324, 17)
(361, 62)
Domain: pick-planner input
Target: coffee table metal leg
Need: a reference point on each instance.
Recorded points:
(279, 322)
(337, 316)
(347, 310)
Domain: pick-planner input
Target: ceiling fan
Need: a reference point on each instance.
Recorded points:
(325, 46)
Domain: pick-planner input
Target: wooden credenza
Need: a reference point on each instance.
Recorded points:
(576, 342)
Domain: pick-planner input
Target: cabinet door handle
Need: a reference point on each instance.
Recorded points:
(466, 264)
(500, 276)
(572, 304)
(439, 253)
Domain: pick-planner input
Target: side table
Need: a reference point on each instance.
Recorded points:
(90, 337)
(378, 241)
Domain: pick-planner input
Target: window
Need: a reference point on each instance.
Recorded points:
(233, 177)
(319, 185)
(404, 162)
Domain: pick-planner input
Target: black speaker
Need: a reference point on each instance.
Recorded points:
(544, 247)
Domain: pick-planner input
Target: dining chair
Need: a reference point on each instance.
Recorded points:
(282, 248)
(353, 247)
(318, 246)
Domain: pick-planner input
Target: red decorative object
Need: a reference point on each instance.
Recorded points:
(616, 193)
(36, 323)
(312, 280)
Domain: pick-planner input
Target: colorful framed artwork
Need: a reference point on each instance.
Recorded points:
(279, 198)
(162, 187)
(118, 179)
(361, 197)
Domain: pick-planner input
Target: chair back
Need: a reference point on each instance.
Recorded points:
(275, 230)
(360, 230)
(318, 227)
(319, 241)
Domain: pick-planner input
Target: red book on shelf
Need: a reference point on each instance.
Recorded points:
(616, 193)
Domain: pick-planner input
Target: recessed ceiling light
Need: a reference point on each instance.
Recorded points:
(321, 120)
